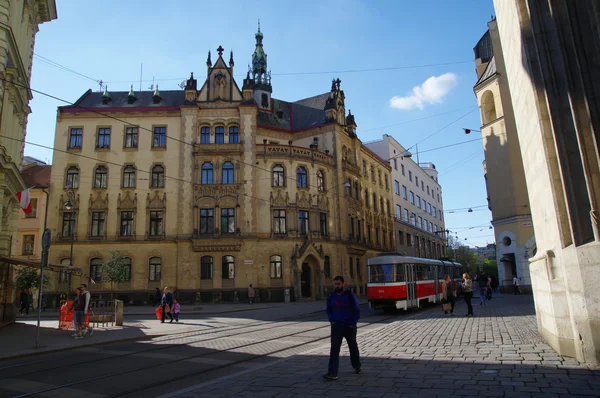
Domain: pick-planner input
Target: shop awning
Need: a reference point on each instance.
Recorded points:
(36, 264)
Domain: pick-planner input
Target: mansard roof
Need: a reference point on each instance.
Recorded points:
(170, 100)
(300, 115)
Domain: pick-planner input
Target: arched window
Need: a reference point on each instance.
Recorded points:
(205, 135)
(206, 268)
(129, 177)
(278, 176)
(154, 268)
(72, 180)
(301, 177)
(321, 181)
(227, 174)
(158, 176)
(488, 107)
(228, 267)
(96, 269)
(127, 263)
(234, 135)
(276, 266)
(219, 135)
(207, 173)
(100, 177)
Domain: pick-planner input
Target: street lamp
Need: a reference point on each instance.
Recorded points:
(69, 206)
(468, 131)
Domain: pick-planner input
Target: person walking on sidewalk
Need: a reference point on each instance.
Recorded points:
(74, 306)
(483, 282)
(516, 285)
(166, 303)
(251, 294)
(448, 292)
(83, 308)
(24, 299)
(467, 285)
(176, 309)
(343, 312)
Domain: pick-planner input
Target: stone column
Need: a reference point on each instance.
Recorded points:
(298, 285)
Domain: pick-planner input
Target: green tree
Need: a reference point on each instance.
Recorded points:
(116, 270)
(490, 267)
(29, 278)
(462, 254)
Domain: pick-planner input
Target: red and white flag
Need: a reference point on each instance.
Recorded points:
(25, 201)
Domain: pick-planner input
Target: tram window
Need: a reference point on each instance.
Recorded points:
(380, 273)
(431, 273)
(400, 277)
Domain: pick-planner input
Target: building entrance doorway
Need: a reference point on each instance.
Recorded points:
(305, 278)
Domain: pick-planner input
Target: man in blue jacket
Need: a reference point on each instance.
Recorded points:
(343, 313)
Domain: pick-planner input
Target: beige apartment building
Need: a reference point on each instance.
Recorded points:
(507, 198)
(214, 187)
(553, 75)
(19, 23)
(417, 201)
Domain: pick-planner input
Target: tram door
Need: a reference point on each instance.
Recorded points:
(438, 273)
(411, 285)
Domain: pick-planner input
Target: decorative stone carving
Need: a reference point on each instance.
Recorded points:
(216, 190)
(127, 202)
(156, 202)
(98, 203)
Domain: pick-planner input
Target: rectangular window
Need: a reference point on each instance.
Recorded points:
(206, 268)
(400, 237)
(409, 240)
(364, 167)
(396, 187)
(160, 137)
(96, 271)
(396, 164)
(323, 224)
(155, 269)
(303, 222)
(97, 224)
(405, 218)
(127, 263)
(434, 211)
(402, 168)
(227, 221)
(228, 267)
(68, 224)
(404, 192)
(126, 223)
(234, 135)
(103, 137)
(28, 244)
(413, 218)
(420, 222)
(351, 267)
(358, 229)
(156, 223)
(351, 227)
(207, 221)
(427, 189)
(131, 137)
(219, 135)
(422, 186)
(279, 219)
(424, 205)
(426, 225)
(327, 267)
(398, 211)
(410, 175)
(429, 208)
(205, 135)
(276, 266)
(75, 138)
(412, 197)
(418, 201)
(417, 180)
(34, 204)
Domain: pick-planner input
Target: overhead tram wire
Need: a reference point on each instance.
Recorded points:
(62, 67)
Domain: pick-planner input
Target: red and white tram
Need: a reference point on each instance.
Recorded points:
(403, 282)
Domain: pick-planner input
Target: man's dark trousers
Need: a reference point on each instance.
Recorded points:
(339, 332)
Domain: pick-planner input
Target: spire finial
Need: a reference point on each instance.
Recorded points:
(220, 50)
(105, 94)
(259, 25)
(208, 60)
(231, 63)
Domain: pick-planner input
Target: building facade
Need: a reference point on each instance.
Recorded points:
(507, 195)
(19, 23)
(553, 75)
(214, 187)
(417, 201)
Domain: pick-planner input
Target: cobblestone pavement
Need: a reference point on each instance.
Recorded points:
(496, 353)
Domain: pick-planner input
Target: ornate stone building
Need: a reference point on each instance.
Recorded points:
(508, 198)
(19, 23)
(215, 187)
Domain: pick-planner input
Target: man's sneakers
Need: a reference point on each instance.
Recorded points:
(357, 371)
(329, 376)
(91, 332)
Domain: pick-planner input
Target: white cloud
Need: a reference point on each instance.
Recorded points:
(430, 92)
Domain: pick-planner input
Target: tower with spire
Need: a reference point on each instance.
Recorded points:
(261, 77)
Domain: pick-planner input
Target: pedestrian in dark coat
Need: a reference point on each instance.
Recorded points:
(167, 304)
(343, 312)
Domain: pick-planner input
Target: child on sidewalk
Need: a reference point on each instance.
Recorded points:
(176, 309)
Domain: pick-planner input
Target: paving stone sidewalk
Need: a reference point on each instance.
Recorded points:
(496, 353)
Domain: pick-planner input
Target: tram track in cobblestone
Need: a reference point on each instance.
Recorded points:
(174, 336)
(215, 368)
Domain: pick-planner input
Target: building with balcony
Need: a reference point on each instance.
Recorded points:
(417, 201)
(214, 187)
(507, 195)
(19, 24)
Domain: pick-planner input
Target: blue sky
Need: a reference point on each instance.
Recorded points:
(387, 41)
